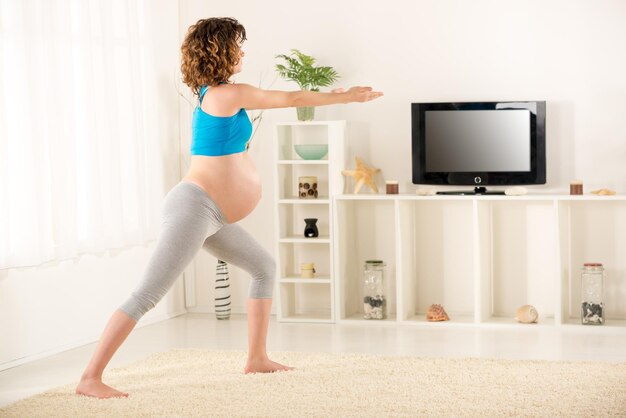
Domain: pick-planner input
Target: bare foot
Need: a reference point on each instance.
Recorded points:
(98, 389)
(265, 366)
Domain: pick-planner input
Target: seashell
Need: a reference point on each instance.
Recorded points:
(527, 314)
(604, 192)
(515, 191)
(436, 313)
(426, 192)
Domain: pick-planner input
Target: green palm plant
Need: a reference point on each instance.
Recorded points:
(300, 68)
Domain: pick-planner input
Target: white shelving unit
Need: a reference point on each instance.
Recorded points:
(481, 257)
(302, 299)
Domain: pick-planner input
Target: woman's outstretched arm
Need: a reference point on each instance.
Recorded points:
(250, 97)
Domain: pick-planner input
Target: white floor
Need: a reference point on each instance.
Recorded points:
(195, 330)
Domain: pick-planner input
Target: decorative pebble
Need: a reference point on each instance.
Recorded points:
(373, 307)
(592, 313)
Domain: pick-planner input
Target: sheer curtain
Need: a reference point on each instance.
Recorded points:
(80, 164)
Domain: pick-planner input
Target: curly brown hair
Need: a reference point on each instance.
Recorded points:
(210, 51)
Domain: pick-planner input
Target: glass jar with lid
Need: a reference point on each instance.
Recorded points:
(374, 302)
(592, 308)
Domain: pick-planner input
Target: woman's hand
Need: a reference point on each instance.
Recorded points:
(359, 94)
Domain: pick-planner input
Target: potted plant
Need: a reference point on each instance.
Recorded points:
(299, 68)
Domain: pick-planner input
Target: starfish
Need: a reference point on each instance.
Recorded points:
(362, 175)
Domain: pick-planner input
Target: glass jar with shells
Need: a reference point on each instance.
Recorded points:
(592, 307)
(374, 303)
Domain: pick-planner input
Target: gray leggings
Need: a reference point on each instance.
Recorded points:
(191, 220)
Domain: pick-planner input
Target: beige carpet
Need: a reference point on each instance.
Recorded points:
(206, 383)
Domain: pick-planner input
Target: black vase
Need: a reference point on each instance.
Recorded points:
(310, 230)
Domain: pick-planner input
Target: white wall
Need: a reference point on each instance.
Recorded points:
(569, 53)
(62, 305)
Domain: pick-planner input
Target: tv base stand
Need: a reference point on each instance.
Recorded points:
(477, 190)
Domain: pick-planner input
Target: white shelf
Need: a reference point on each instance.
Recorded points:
(615, 325)
(512, 323)
(455, 320)
(364, 230)
(303, 162)
(308, 302)
(591, 198)
(322, 239)
(481, 257)
(366, 196)
(322, 200)
(317, 280)
(538, 197)
(306, 299)
(358, 318)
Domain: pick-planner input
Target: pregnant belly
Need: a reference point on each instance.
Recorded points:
(231, 181)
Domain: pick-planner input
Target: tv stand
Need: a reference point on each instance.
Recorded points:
(477, 190)
(481, 257)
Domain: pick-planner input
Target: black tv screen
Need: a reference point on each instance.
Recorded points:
(479, 143)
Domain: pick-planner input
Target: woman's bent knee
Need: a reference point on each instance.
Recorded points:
(136, 306)
(262, 285)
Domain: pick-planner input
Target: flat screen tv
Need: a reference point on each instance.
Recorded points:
(479, 144)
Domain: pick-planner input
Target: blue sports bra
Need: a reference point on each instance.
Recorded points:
(219, 135)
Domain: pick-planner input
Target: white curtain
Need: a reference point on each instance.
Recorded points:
(80, 162)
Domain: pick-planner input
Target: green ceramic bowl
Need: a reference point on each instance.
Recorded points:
(311, 151)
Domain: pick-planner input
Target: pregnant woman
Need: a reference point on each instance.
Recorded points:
(221, 188)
